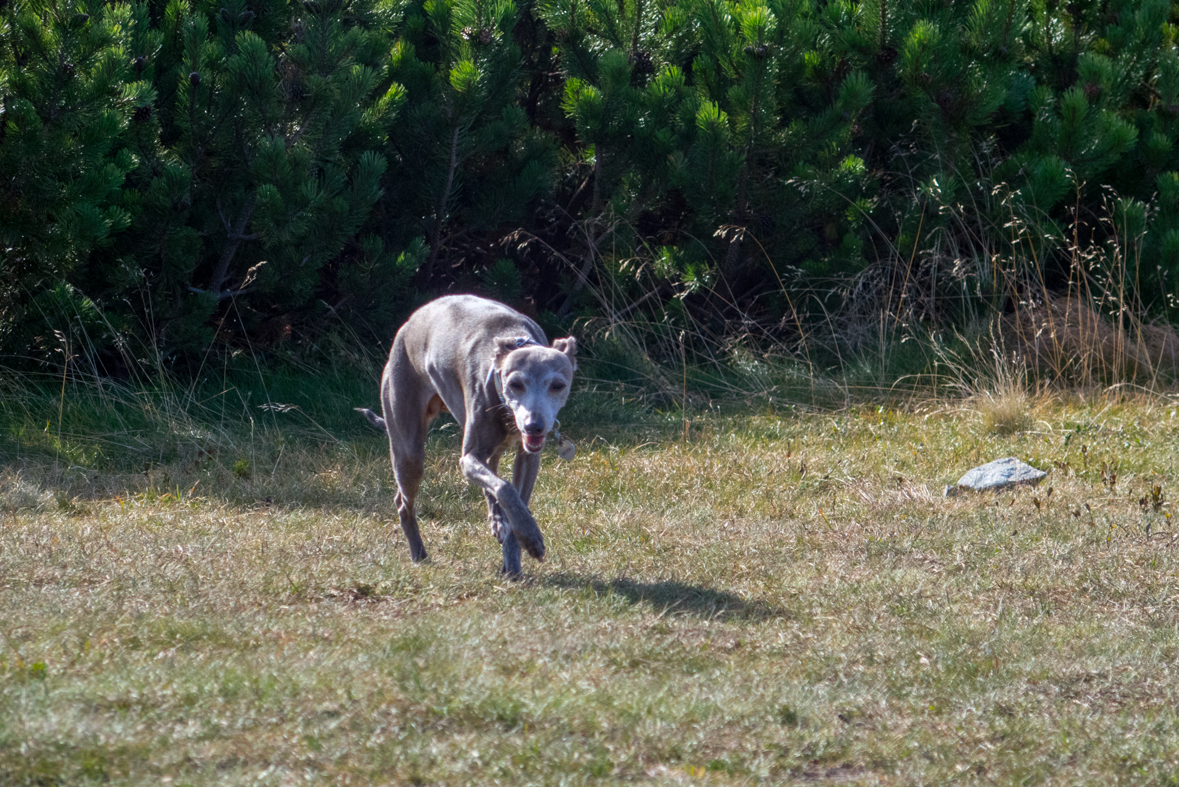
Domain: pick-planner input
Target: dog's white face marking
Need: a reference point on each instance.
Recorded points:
(536, 383)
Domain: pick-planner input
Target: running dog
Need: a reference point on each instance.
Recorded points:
(492, 369)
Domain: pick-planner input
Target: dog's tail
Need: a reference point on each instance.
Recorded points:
(372, 418)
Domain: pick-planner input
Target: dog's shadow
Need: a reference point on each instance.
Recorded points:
(670, 597)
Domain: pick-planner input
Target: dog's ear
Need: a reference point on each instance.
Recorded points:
(568, 345)
(503, 346)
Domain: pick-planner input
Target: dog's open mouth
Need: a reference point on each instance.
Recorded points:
(533, 443)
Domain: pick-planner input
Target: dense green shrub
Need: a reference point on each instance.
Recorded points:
(193, 174)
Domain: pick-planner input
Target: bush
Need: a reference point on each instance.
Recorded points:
(267, 172)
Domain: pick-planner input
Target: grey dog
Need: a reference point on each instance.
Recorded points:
(492, 368)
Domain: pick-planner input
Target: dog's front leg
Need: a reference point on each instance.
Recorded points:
(499, 523)
(523, 525)
(504, 535)
(524, 471)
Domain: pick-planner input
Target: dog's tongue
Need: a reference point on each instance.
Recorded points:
(533, 443)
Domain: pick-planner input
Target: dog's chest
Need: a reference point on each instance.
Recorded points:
(508, 421)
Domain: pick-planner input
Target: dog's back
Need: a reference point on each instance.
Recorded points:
(460, 327)
(449, 341)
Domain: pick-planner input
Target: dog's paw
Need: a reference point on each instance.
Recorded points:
(525, 530)
(533, 544)
(499, 527)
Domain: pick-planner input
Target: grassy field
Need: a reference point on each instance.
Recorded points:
(771, 597)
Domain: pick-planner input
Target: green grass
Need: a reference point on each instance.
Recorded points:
(738, 598)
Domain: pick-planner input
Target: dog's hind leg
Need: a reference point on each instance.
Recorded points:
(409, 476)
(407, 446)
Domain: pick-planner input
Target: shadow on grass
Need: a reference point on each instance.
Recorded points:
(676, 598)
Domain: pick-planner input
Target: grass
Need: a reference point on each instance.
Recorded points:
(746, 597)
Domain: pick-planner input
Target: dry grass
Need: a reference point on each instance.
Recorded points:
(1067, 339)
(774, 599)
(1002, 398)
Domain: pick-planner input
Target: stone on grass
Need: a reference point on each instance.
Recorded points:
(993, 476)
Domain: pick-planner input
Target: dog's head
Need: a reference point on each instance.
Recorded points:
(534, 384)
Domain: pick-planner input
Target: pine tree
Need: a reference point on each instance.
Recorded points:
(464, 150)
(632, 111)
(69, 89)
(270, 169)
(197, 171)
(714, 128)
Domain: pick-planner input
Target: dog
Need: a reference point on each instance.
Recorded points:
(492, 369)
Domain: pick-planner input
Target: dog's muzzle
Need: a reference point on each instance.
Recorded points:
(532, 443)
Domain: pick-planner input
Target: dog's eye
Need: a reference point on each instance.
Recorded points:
(557, 387)
(516, 385)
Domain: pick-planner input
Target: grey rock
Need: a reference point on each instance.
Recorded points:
(993, 476)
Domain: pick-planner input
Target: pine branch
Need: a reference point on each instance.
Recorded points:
(223, 294)
(440, 217)
(234, 239)
(634, 41)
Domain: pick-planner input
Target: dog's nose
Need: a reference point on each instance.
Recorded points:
(534, 427)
